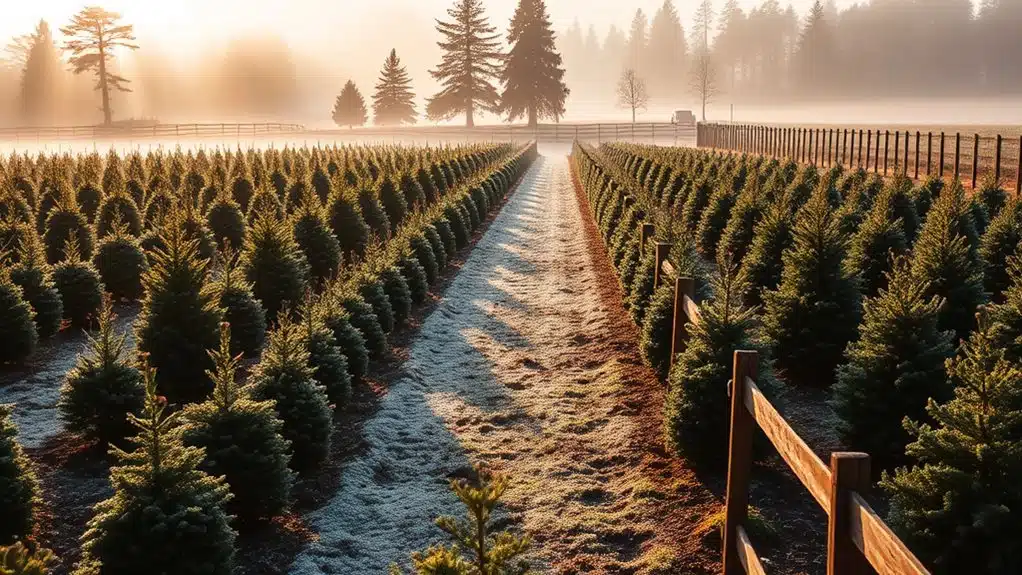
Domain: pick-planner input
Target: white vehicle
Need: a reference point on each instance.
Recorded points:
(683, 117)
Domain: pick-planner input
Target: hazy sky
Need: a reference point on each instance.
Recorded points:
(303, 21)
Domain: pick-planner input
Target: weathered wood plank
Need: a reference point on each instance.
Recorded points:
(692, 311)
(747, 555)
(802, 461)
(885, 552)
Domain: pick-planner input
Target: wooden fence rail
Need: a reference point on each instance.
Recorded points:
(858, 540)
(145, 131)
(885, 152)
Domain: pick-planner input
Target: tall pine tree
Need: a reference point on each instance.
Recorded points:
(394, 102)
(533, 77)
(350, 107)
(470, 65)
(40, 80)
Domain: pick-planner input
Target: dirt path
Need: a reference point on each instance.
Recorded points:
(529, 363)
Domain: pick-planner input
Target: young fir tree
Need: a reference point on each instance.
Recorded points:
(18, 559)
(942, 257)
(393, 201)
(121, 264)
(118, 208)
(373, 212)
(476, 547)
(326, 357)
(814, 312)
(66, 221)
(349, 227)
(35, 278)
(958, 505)
(415, 277)
(241, 309)
(398, 294)
(242, 440)
(316, 240)
(880, 235)
(1000, 241)
(350, 107)
(533, 75)
(393, 101)
(165, 511)
(285, 376)
(226, 221)
(1007, 316)
(763, 265)
(80, 287)
(103, 387)
(696, 410)
(19, 489)
(274, 264)
(348, 338)
(470, 65)
(179, 317)
(893, 369)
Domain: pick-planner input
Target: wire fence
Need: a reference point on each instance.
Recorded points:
(972, 158)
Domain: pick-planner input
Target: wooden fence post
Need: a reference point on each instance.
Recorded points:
(919, 137)
(682, 287)
(849, 472)
(739, 466)
(851, 151)
(662, 250)
(645, 232)
(958, 155)
(897, 146)
(869, 147)
(1018, 170)
(812, 146)
(929, 153)
(860, 149)
(941, 168)
(844, 145)
(906, 151)
(975, 160)
(887, 148)
(997, 161)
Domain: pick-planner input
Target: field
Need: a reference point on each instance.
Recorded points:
(413, 311)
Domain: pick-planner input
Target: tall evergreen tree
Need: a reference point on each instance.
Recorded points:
(878, 236)
(35, 277)
(94, 34)
(470, 65)
(394, 101)
(667, 48)
(814, 60)
(895, 366)
(959, 505)
(532, 76)
(1007, 316)
(164, 511)
(350, 107)
(1000, 241)
(274, 264)
(814, 312)
(40, 79)
(19, 489)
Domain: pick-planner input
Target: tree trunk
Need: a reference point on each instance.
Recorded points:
(533, 116)
(104, 88)
(633, 114)
(704, 108)
(469, 120)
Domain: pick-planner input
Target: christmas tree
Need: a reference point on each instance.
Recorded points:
(242, 440)
(66, 221)
(895, 366)
(533, 75)
(121, 264)
(35, 278)
(942, 257)
(1000, 241)
(241, 309)
(103, 387)
(316, 240)
(394, 101)
(285, 376)
(958, 505)
(274, 264)
(226, 221)
(348, 338)
(878, 237)
(398, 294)
(763, 265)
(350, 107)
(814, 312)
(326, 358)
(19, 490)
(179, 318)
(470, 65)
(79, 285)
(393, 201)
(1007, 316)
(165, 511)
(348, 225)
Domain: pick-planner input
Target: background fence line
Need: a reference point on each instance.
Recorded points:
(971, 158)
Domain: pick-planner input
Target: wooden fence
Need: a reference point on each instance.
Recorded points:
(858, 540)
(647, 133)
(918, 154)
(100, 132)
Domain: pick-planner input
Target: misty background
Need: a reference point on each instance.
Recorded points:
(882, 61)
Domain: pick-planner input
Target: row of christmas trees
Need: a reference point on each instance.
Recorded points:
(848, 282)
(209, 448)
(473, 63)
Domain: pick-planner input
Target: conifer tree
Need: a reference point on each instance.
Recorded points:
(893, 368)
(741, 224)
(696, 410)
(79, 285)
(398, 293)
(348, 338)
(19, 489)
(1000, 241)
(242, 440)
(18, 559)
(121, 264)
(415, 277)
(365, 320)
(814, 312)
(241, 309)
(41, 79)
(103, 387)
(65, 221)
(285, 376)
(393, 101)
(350, 107)
(533, 75)
(764, 264)
(226, 222)
(422, 250)
(179, 317)
(316, 240)
(393, 202)
(957, 504)
(35, 278)
(118, 208)
(274, 264)
(373, 212)
(879, 236)
(470, 65)
(1007, 315)
(348, 225)
(942, 256)
(326, 358)
(164, 511)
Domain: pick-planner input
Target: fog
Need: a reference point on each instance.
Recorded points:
(255, 60)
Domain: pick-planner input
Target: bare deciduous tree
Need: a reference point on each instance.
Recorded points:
(631, 92)
(704, 78)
